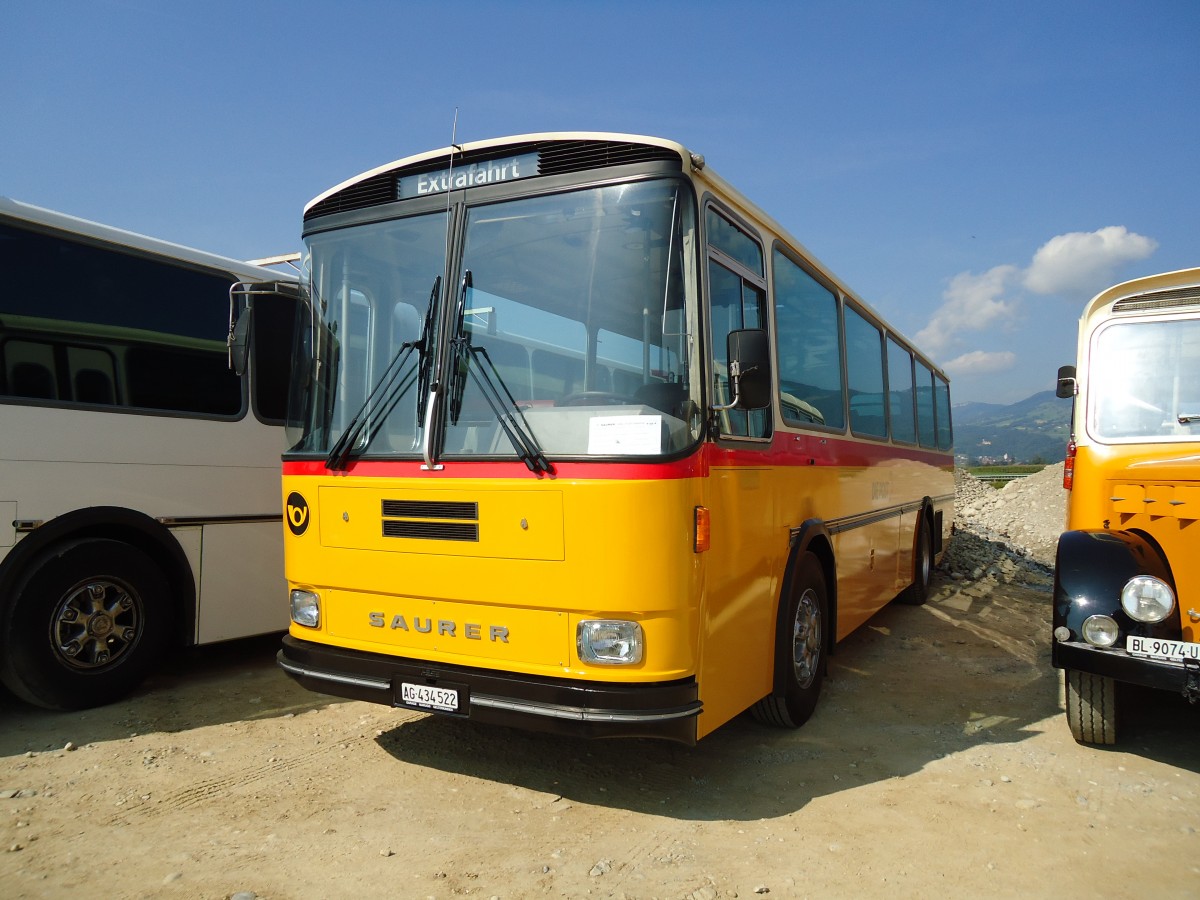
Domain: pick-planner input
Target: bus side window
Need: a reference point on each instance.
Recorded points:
(927, 432)
(864, 361)
(901, 405)
(810, 364)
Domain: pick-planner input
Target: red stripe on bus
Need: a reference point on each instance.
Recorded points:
(787, 449)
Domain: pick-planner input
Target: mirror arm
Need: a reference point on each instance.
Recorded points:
(735, 377)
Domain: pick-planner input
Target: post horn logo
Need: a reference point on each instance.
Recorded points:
(297, 513)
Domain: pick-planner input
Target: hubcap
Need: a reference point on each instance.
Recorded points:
(806, 639)
(95, 624)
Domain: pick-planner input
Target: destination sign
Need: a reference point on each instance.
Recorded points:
(492, 171)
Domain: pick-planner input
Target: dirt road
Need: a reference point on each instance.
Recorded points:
(938, 764)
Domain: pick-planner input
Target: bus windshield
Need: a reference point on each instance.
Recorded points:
(1147, 378)
(566, 327)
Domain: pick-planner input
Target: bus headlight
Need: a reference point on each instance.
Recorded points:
(1100, 631)
(610, 642)
(1147, 599)
(306, 608)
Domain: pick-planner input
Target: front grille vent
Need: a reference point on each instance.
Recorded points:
(432, 531)
(430, 509)
(431, 520)
(554, 158)
(1159, 301)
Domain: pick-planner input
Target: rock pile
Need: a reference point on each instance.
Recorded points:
(1012, 531)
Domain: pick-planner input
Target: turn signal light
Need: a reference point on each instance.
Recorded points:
(1069, 467)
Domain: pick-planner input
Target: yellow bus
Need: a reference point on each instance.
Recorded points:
(1127, 577)
(583, 442)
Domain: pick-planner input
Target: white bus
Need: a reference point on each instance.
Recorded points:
(139, 471)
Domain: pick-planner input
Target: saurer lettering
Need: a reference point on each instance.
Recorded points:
(472, 631)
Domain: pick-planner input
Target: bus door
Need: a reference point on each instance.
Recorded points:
(741, 578)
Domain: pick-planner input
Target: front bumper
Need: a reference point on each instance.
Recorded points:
(666, 710)
(1168, 675)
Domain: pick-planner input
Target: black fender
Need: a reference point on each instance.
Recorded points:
(1091, 568)
(114, 523)
(809, 537)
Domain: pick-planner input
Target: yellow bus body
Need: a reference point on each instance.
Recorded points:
(553, 551)
(1133, 511)
(482, 568)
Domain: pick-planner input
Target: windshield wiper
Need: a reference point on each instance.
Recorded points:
(491, 385)
(387, 393)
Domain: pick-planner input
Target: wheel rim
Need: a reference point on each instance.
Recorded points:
(806, 639)
(95, 624)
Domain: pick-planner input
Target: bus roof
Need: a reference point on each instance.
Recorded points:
(1147, 284)
(48, 218)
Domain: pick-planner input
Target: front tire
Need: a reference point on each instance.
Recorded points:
(85, 626)
(799, 650)
(1091, 707)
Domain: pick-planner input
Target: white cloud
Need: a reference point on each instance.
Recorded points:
(1084, 263)
(1076, 265)
(973, 302)
(981, 362)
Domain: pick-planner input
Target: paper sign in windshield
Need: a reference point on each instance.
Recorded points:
(612, 435)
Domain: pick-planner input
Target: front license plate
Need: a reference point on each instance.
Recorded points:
(1159, 648)
(431, 697)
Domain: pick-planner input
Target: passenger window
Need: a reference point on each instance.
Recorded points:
(87, 325)
(945, 433)
(926, 406)
(809, 357)
(864, 362)
(901, 400)
(273, 333)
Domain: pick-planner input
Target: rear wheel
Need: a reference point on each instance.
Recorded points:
(1091, 707)
(85, 626)
(800, 651)
(918, 592)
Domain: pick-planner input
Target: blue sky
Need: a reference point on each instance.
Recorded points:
(975, 171)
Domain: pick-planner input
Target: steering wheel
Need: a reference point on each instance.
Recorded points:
(597, 398)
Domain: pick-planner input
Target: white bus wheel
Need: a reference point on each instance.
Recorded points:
(85, 626)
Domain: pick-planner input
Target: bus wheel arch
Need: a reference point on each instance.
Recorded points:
(88, 610)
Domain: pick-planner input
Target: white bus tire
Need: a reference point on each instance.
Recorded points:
(85, 625)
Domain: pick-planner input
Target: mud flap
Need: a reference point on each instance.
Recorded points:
(1191, 686)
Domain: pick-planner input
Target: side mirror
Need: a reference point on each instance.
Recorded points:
(241, 307)
(1067, 385)
(749, 354)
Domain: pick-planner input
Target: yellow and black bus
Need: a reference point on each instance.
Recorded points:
(582, 441)
(1127, 578)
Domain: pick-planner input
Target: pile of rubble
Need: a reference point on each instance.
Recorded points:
(1012, 531)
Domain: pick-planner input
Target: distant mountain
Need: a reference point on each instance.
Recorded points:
(1032, 430)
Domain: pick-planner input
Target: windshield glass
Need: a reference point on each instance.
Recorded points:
(567, 327)
(369, 291)
(1145, 381)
